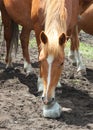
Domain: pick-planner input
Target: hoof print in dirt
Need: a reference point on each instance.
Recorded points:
(17, 70)
(31, 76)
(74, 64)
(9, 70)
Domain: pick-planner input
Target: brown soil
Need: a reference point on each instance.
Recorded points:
(21, 105)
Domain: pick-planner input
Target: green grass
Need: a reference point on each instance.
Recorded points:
(33, 42)
(85, 49)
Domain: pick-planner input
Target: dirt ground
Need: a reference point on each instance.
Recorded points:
(21, 105)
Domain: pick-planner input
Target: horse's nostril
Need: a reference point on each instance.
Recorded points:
(53, 99)
(43, 98)
(46, 101)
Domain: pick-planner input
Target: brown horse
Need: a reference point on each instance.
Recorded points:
(23, 12)
(57, 18)
(61, 17)
(85, 23)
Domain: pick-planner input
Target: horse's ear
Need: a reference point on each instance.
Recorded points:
(43, 37)
(62, 39)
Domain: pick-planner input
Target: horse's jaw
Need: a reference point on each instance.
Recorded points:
(40, 84)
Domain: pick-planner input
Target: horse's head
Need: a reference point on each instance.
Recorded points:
(52, 60)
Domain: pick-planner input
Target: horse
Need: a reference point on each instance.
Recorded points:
(85, 23)
(24, 13)
(52, 21)
(61, 17)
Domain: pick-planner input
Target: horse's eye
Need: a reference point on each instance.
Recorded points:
(61, 64)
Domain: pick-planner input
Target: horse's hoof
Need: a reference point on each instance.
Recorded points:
(29, 71)
(54, 111)
(59, 85)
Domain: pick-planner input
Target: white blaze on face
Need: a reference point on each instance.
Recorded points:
(50, 61)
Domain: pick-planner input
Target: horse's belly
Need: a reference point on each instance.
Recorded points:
(18, 12)
(86, 20)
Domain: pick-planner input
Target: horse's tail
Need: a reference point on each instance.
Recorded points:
(14, 40)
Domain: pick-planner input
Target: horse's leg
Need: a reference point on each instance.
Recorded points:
(24, 37)
(37, 30)
(8, 58)
(74, 52)
(8, 36)
(74, 46)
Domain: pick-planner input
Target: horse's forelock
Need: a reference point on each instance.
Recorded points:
(52, 49)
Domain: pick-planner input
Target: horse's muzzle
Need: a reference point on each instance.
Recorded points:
(48, 101)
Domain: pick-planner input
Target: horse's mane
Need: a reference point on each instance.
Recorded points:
(55, 12)
(55, 24)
